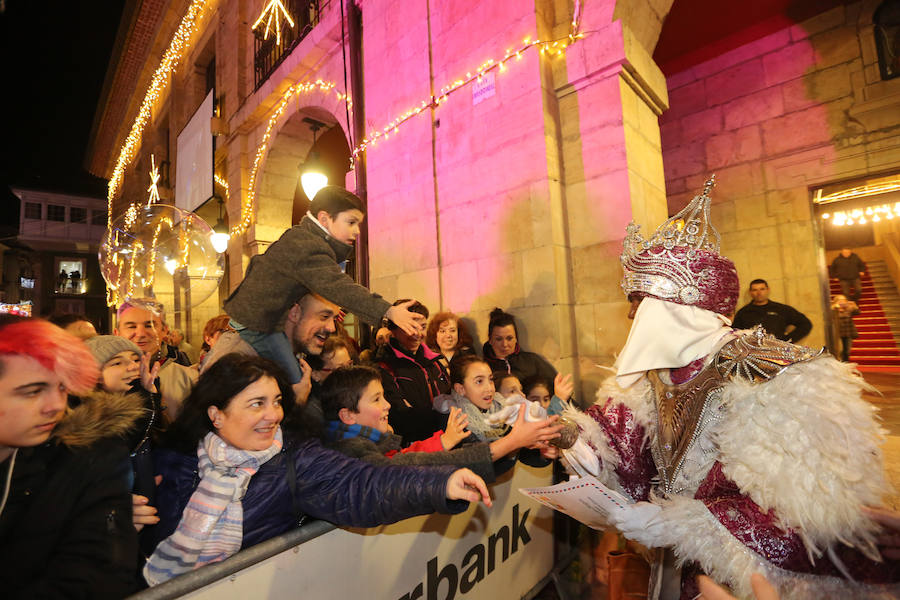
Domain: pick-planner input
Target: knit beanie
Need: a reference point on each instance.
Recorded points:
(104, 347)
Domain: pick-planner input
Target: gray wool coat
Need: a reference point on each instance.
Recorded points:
(304, 259)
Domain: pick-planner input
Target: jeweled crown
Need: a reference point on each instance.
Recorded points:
(680, 262)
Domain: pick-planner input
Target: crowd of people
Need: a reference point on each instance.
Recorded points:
(129, 459)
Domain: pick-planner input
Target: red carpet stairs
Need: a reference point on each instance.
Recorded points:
(879, 305)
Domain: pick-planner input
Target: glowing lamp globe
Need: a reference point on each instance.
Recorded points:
(161, 252)
(220, 237)
(312, 181)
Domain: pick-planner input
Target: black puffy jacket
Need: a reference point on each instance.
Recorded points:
(66, 529)
(329, 486)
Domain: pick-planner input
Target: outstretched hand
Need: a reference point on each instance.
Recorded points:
(563, 386)
(466, 485)
(528, 434)
(148, 373)
(456, 430)
(409, 322)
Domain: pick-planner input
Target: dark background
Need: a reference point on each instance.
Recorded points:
(54, 59)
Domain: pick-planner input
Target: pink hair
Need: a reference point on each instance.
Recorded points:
(56, 350)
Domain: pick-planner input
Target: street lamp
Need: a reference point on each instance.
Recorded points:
(312, 175)
(220, 235)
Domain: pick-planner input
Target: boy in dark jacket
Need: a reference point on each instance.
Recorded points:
(356, 424)
(65, 478)
(309, 257)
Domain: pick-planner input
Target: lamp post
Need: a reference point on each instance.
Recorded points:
(312, 175)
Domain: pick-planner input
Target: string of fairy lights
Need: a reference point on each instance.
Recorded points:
(158, 85)
(272, 13)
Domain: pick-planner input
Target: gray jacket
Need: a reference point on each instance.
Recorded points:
(304, 259)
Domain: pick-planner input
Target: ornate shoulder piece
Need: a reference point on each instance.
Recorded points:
(758, 356)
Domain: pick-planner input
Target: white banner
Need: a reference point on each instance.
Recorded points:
(194, 159)
(498, 552)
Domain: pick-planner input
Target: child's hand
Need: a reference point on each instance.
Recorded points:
(456, 429)
(148, 374)
(526, 434)
(563, 386)
(409, 322)
(466, 485)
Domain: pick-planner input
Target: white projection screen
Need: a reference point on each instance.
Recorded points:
(194, 166)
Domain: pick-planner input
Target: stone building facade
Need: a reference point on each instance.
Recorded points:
(516, 190)
(796, 110)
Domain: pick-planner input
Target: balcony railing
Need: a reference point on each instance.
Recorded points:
(268, 53)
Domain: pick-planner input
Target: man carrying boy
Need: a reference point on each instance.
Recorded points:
(307, 258)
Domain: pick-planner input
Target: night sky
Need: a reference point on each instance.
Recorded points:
(54, 59)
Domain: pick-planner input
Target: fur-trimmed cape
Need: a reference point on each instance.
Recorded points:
(804, 445)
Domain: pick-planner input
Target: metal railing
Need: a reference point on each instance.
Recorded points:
(268, 53)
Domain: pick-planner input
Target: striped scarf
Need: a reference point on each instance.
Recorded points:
(338, 430)
(212, 525)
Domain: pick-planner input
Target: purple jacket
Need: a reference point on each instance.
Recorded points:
(329, 486)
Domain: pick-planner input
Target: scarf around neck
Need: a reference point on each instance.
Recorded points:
(212, 525)
(478, 422)
(338, 430)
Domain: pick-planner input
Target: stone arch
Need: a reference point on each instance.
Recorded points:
(290, 143)
(644, 18)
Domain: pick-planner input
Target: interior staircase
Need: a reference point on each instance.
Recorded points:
(878, 322)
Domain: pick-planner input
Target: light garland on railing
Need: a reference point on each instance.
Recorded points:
(158, 85)
(861, 216)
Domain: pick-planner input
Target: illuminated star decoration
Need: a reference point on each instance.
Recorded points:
(273, 12)
(154, 179)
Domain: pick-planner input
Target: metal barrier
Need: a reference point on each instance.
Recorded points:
(503, 552)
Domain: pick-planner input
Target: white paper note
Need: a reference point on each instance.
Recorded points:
(584, 499)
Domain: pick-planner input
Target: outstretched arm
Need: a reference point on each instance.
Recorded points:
(354, 493)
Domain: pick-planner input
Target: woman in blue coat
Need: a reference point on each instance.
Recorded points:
(232, 476)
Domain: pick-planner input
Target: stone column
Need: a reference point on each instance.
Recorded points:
(609, 101)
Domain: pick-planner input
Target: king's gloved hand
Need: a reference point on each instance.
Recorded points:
(581, 459)
(640, 522)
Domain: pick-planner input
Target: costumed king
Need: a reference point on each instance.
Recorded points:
(743, 454)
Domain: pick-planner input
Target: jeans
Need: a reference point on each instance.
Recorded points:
(274, 346)
(856, 284)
